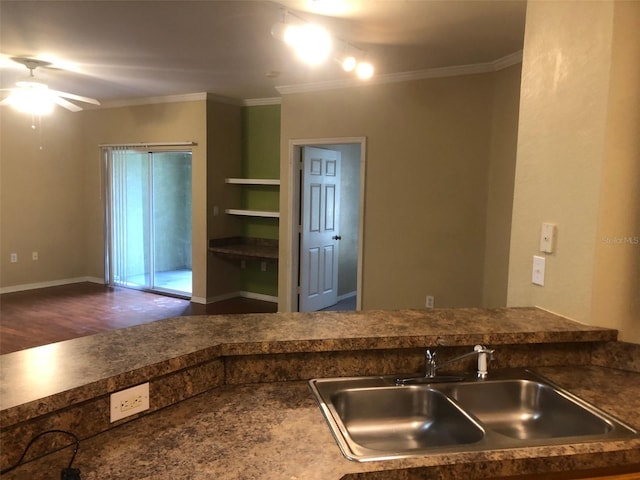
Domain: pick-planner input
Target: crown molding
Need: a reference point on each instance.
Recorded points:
(507, 61)
(255, 102)
(453, 71)
(191, 97)
(188, 97)
(226, 100)
(131, 102)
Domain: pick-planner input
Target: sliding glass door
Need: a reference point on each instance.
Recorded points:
(149, 220)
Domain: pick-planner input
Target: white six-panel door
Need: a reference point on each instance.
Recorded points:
(320, 236)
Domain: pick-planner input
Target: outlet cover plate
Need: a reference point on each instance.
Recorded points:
(429, 303)
(129, 402)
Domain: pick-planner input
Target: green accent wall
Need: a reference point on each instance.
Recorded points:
(261, 141)
(260, 159)
(254, 280)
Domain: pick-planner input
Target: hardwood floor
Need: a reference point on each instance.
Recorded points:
(38, 317)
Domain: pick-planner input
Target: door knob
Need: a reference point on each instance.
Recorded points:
(336, 237)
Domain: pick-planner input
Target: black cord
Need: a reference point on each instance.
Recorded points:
(26, 450)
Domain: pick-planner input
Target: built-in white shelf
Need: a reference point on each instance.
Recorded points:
(252, 213)
(253, 181)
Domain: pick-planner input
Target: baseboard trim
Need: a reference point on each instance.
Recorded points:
(52, 283)
(259, 296)
(243, 294)
(347, 295)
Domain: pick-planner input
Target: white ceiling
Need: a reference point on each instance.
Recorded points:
(117, 50)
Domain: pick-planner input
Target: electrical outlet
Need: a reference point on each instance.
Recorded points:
(430, 301)
(14, 258)
(129, 402)
(34, 255)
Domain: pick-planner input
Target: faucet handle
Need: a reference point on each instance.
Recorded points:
(484, 355)
(430, 363)
(431, 354)
(483, 349)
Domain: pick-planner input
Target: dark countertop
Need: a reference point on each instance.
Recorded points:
(47, 378)
(245, 248)
(276, 431)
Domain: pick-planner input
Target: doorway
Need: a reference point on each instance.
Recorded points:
(148, 220)
(338, 217)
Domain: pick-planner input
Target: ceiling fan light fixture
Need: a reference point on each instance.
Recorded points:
(37, 98)
(32, 97)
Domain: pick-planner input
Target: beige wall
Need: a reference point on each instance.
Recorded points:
(616, 279)
(42, 199)
(504, 139)
(428, 148)
(224, 127)
(61, 186)
(577, 163)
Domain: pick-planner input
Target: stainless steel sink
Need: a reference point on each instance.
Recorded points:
(373, 418)
(401, 419)
(526, 409)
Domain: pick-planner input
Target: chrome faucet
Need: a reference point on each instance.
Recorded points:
(484, 355)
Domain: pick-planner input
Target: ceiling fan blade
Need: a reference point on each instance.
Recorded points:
(76, 97)
(68, 105)
(31, 63)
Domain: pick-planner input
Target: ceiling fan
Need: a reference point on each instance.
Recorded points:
(37, 98)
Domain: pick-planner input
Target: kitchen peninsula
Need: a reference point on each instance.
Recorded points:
(228, 399)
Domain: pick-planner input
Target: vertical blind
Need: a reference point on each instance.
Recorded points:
(116, 220)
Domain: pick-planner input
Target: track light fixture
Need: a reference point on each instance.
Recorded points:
(352, 60)
(364, 70)
(349, 63)
(313, 45)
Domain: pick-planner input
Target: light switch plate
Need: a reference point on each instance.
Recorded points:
(548, 238)
(537, 276)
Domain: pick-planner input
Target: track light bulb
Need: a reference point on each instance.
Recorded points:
(349, 63)
(312, 44)
(364, 70)
(286, 33)
(291, 35)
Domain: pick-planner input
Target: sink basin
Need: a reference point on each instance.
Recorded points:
(526, 409)
(397, 419)
(373, 418)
